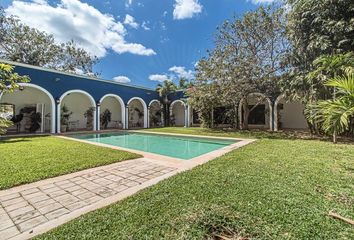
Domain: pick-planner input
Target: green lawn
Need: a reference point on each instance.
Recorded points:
(29, 159)
(271, 189)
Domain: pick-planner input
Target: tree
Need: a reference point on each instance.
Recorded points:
(164, 90)
(21, 43)
(8, 83)
(335, 115)
(249, 56)
(316, 28)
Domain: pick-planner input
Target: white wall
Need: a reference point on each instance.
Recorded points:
(178, 112)
(292, 116)
(29, 97)
(113, 105)
(78, 104)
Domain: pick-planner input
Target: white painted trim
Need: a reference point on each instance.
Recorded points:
(280, 97)
(155, 100)
(269, 105)
(145, 110)
(185, 110)
(93, 102)
(122, 106)
(52, 112)
(176, 101)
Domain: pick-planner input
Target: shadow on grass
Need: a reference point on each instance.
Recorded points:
(16, 139)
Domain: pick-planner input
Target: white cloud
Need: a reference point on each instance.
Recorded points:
(145, 26)
(121, 79)
(130, 21)
(181, 72)
(262, 1)
(186, 9)
(94, 31)
(159, 77)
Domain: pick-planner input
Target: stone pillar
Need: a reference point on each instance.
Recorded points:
(98, 111)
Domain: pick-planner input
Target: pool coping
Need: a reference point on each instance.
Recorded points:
(177, 162)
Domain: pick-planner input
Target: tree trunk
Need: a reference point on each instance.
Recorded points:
(246, 113)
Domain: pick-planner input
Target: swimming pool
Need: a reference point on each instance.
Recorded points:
(173, 146)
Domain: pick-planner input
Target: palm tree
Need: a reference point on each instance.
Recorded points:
(335, 115)
(164, 90)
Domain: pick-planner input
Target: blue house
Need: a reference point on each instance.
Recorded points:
(70, 102)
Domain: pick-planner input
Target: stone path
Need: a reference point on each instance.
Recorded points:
(26, 207)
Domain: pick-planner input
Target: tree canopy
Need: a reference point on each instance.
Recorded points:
(250, 56)
(21, 43)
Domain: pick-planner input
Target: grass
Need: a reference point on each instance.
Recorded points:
(271, 189)
(29, 159)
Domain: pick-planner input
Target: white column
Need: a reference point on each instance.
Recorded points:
(98, 117)
(58, 117)
(148, 117)
(185, 116)
(162, 116)
(126, 117)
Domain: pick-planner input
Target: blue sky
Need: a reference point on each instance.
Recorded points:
(140, 42)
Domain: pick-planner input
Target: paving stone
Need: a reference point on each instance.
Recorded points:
(9, 232)
(68, 185)
(50, 207)
(79, 192)
(104, 192)
(93, 199)
(57, 213)
(86, 195)
(131, 184)
(9, 196)
(76, 205)
(73, 188)
(12, 201)
(121, 188)
(34, 195)
(6, 224)
(29, 191)
(31, 223)
(16, 206)
(38, 199)
(57, 193)
(47, 186)
(59, 183)
(51, 189)
(43, 203)
(20, 211)
(66, 199)
(26, 216)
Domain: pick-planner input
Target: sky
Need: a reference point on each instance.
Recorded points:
(139, 42)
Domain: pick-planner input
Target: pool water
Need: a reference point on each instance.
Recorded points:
(173, 146)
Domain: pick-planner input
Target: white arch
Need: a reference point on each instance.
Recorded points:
(122, 106)
(145, 110)
(52, 113)
(269, 105)
(92, 100)
(185, 110)
(155, 100)
(280, 97)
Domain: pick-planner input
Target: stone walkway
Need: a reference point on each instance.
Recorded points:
(23, 209)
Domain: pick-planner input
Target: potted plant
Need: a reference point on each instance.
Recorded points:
(105, 118)
(89, 115)
(64, 118)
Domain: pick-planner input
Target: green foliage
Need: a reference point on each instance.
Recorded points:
(106, 118)
(315, 29)
(250, 55)
(8, 83)
(30, 159)
(335, 115)
(21, 43)
(164, 90)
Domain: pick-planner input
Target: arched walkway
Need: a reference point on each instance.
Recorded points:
(137, 113)
(29, 99)
(262, 115)
(114, 105)
(288, 115)
(155, 114)
(178, 113)
(76, 111)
